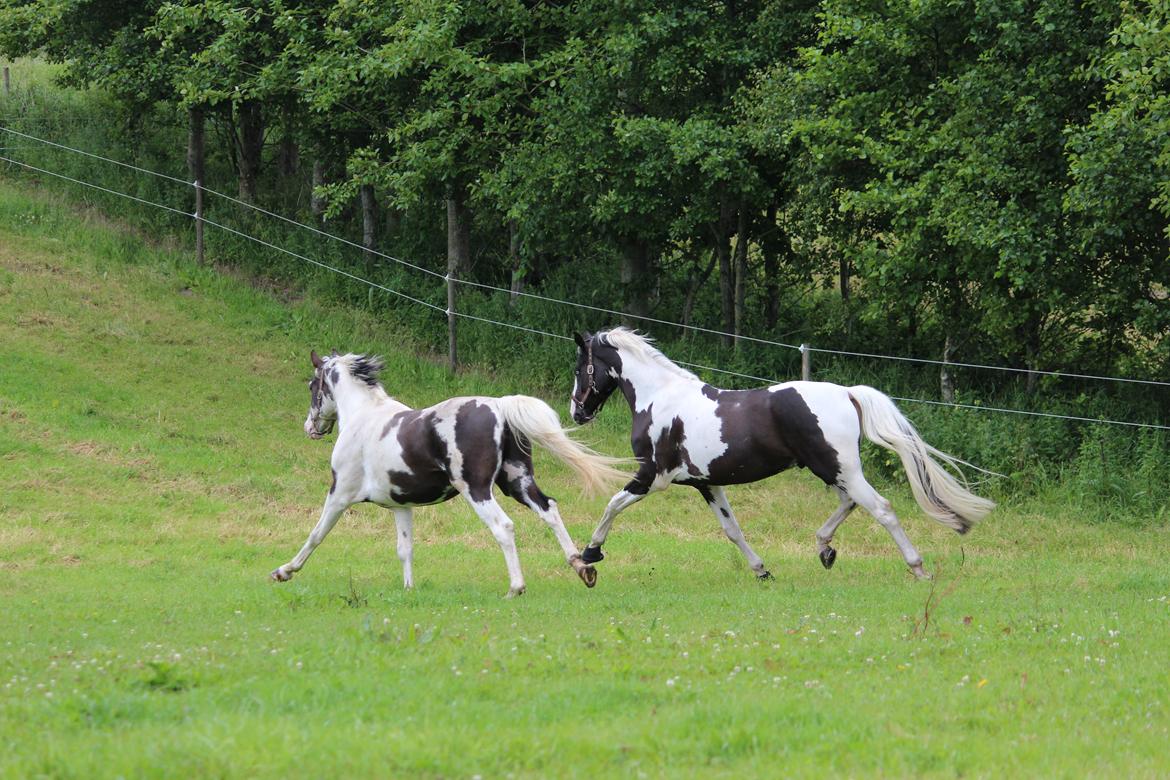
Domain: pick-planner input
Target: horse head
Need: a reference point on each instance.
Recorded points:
(322, 404)
(595, 378)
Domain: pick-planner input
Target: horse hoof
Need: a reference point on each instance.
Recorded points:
(280, 575)
(514, 592)
(592, 555)
(767, 575)
(921, 573)
(828, 557)
(588, 575)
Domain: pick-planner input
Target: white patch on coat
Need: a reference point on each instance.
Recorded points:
(673, 393)
(826, 400)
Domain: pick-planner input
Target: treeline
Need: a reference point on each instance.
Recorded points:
(976, 180)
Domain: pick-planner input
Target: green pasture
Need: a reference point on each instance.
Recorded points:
(153, 471)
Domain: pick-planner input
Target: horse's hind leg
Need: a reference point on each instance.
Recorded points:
(524, 489)
(502, 528)
(825, 548)
(717, 500)
(863, 493)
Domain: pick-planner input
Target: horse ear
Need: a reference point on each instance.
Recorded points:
(317, 361)
(577, 337)
(335, 353)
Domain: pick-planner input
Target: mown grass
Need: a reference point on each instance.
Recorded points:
(153, 471)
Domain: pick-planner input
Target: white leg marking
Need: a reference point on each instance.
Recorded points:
(498, 522)
(620, 501)
(332, 510)
(825, 534)
(404, 521)
(864, 494)
(726, 517)
(552, 518)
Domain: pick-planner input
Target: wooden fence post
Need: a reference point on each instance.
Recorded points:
(7, 82)
(805, 363)
(199, 222)
(451, 353)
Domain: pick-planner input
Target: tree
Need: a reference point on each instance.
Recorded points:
(940, 128)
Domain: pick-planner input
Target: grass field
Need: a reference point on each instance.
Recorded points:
(153, 471)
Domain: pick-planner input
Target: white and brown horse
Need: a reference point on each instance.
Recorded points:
(690, 433)
(399, 458)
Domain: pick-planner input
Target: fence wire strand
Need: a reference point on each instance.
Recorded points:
(536, 331)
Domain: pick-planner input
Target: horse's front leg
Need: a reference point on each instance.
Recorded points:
(404, 520)
(334, 506)
(631, 494)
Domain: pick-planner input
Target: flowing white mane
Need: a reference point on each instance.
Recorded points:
(641, 347)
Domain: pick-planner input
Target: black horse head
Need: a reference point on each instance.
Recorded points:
(599, 368)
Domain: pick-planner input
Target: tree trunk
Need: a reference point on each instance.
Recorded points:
(458, 236)
(458, 262)
(251, 144)
(289, 159)
(393, 220)
(196, 124)
(722, 235)
(945, 380)
(637, 279)
(317, 201)
(741, 272)
(698, 279)
(196, 170)
(369, 225)
(770, 244)
(515, 262)
(844, 274)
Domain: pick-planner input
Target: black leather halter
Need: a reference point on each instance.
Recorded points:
(592, 387)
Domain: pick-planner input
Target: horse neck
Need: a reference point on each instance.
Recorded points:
(644, 377)
(354, 397)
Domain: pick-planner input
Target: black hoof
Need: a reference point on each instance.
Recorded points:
(828, 557)
(592, 555)
(767, 575)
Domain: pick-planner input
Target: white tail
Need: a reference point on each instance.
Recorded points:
(940, 495)
(537, 421)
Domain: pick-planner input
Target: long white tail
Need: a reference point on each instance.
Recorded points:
(940, 495)
(537, 421)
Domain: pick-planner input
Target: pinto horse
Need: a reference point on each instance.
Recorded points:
(399, 458)
(689, 433)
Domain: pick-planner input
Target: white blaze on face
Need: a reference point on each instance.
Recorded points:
(576, 391)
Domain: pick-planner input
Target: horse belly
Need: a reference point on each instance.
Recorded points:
(752, 465)
(398, 489)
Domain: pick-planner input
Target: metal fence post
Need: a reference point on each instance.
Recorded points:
(805, 363)
(7, 82)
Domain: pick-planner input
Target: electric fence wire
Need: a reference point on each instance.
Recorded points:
(562, 302)
(539, 332)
